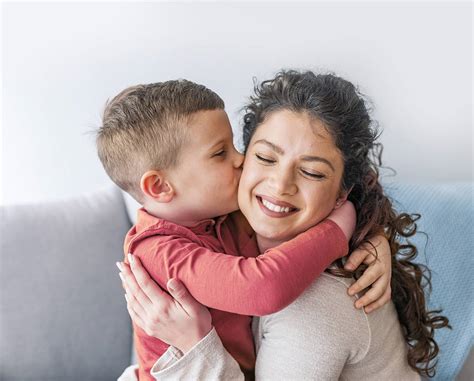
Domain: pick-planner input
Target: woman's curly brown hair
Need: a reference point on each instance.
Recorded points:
(342, 108)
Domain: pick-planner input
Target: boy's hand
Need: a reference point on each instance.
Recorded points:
(345, 217)
(377, 275)
(178, 320)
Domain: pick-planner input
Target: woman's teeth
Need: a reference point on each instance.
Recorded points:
(275, 208)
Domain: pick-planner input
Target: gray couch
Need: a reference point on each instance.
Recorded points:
(63, 315)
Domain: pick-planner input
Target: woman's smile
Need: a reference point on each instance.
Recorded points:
(275, 208)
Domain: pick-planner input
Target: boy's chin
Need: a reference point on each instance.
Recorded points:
(233, 205)
(231, 209)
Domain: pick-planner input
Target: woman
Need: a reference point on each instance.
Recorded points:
(307, 138)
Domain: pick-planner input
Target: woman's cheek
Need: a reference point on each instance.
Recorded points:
(249, 174)
(322, 202)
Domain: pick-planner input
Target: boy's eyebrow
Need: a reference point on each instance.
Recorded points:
(309, 158)
(221, 141)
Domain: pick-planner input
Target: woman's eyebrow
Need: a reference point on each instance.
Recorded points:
(274, 147)
(318, 158)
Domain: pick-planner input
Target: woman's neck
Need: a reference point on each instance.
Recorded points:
(266, 243)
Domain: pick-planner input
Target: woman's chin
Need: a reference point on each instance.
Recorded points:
(272, 236)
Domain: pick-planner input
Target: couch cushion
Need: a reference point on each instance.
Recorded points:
(447, 219)
(132, 207)
(63, 314)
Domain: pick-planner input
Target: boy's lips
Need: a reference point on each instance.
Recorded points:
(275, 208)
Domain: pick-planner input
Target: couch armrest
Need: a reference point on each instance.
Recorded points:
(63, 315)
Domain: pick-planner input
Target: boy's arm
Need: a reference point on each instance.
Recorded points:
(248, 286)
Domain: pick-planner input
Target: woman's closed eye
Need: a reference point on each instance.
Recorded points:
(305, 172)
(313, 175)
(264, 159)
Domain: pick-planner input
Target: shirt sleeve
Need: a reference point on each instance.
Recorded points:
(253, 286)
(207, 360)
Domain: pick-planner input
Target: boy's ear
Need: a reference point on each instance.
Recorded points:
(155, 185)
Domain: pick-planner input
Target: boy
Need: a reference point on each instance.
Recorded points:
(169, 145)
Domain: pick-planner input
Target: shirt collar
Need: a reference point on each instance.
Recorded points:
(147, 221)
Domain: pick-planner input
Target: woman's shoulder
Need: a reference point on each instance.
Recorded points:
(380, 331)
(324, 313)
(324, 298)
(331, 287)
(341, 282)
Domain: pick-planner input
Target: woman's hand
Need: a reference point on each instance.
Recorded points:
(377, 276)
(178, 320)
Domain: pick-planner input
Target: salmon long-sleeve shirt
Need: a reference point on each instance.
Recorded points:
(221, 267)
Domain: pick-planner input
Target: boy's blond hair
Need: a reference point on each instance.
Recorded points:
(144, 128)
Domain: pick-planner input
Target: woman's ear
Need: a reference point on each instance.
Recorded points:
(155, 185)
(342, 197)
(340, 200)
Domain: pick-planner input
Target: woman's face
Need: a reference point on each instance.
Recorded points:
(291, 177)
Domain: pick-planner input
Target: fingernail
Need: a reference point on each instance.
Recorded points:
(119, 265)
(130, 258)
(171, 285)
(349, 266)
(126, 297)
(121, 277)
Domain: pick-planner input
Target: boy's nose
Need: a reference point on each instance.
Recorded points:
(239, 159)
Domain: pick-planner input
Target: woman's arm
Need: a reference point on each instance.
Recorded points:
(196, 351)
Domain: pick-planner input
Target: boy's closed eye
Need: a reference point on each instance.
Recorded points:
(220, 153)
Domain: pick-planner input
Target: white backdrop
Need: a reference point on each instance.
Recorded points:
(61, 61)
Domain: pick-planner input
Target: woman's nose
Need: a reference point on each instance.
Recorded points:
(282, 183)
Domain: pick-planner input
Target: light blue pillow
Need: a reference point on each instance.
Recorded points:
(447, 218)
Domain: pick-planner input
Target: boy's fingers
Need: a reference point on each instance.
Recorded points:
(147, 285)
(355, 259)
(365, 253)
(370, 258)
(376, 245)
(372, 295)
(368, 277)
(179, 292)
(380, 302)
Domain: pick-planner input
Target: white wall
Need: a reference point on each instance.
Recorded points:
(61, 61)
